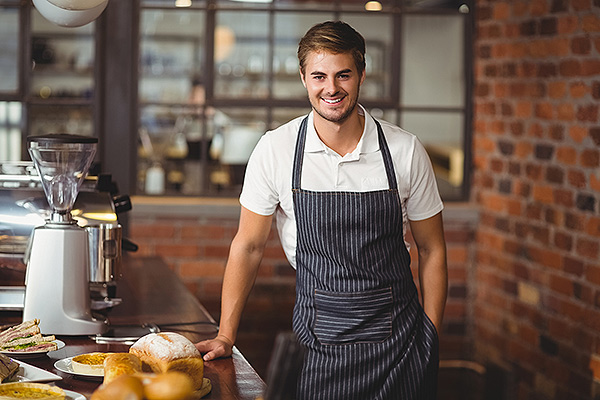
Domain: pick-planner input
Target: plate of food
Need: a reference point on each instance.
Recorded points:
(25, 340)
(27, 390)
(18, 371)
(89, 366)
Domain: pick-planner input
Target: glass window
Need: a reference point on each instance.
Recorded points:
(9, 48)
(10, 131)
(442, 135)
(433, 53)
(171, 55)
(241, 54)
(63, 60)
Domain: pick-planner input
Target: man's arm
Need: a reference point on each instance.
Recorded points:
(244, 259)
(433, 271)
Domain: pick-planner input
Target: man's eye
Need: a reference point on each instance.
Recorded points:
(344, 76)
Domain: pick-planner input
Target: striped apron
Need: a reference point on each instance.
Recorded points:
(357, 310)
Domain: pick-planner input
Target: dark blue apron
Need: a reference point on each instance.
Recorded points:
(357, 310)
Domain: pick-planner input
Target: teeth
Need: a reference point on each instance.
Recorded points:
(332, 101)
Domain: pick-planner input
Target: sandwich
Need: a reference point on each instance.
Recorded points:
(26, 337)
(8, 368)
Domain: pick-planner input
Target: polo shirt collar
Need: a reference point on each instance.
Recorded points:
(369, 142)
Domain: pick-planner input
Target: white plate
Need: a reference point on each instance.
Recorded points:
(32, 354)
(30, 373)
(65, 366)
(73, 395)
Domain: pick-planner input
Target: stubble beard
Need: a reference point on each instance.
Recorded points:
(337, 118)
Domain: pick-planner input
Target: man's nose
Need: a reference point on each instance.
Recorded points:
(331, 86)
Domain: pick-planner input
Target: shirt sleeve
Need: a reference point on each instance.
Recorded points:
(259, 193)
(424, 199)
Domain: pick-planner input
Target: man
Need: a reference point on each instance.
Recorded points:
(344, 187)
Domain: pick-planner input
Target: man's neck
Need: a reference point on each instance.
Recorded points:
(341, 137)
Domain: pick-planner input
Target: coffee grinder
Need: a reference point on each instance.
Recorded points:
(57, 278)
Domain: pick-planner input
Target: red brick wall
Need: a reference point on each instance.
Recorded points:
(536, 147)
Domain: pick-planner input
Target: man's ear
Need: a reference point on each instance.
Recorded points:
(362, 76)
(302, 78)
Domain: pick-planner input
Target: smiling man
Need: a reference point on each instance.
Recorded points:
(344, 188)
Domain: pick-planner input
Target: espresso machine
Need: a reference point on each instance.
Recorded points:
(57, 276)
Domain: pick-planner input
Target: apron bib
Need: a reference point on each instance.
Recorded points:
(357, 311)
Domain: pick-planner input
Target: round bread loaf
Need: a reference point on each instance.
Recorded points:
(169, 351)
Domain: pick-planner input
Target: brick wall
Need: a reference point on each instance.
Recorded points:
(536, 147)
(196, 248)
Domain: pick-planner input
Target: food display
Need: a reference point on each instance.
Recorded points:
(27, 390)
(26, 337)
(167, 366)
(8, 368)
(90, 363)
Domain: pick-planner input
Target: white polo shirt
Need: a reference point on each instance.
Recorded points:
(267, 187)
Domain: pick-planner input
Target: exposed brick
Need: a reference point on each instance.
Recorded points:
(563, 197)
(590, 158)
(566, 155)
(588, 113)
(529, 28)
(555, 174)
(561, 285)
(559, 6)
(585, 202)
(590, 23)
(578, 90)
(570, 68)
(177, 250)
(544, 151)
(563, 241)
(577, 179)
(595, 135)
(557, 90)
(587, 248)
(548, 345)
(567, 23)
(548, 26)
(565, 112)
(544, 110)
(592, 226)
(574, 266)
(596, 90)
(581, 45)
(578, 133)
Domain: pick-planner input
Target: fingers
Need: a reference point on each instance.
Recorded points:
(214, 348)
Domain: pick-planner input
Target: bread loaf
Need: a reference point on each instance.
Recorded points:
(167, 386)
(117, 364)
(168, 351)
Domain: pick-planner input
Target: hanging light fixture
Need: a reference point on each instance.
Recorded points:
(373, 6)
(183, 3)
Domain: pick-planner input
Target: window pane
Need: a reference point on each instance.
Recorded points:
(45, 119)
(241, 54)
(442, 135)
(377, 29)
(433, 70)
(171, 55)
(9, 48)
(10, 131)
(289, 29)
(63, 60)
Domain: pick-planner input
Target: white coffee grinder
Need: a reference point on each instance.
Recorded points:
(57, 277)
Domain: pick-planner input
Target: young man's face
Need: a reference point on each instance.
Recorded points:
(333, 83)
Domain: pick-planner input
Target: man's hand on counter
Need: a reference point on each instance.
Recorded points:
(218, 347)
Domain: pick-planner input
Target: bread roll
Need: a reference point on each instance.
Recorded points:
(167, 386)
(168, 351)
(123, 387)
(117, 364)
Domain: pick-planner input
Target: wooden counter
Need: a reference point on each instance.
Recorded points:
(153, 294)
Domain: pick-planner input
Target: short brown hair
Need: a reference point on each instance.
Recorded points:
(334, 37)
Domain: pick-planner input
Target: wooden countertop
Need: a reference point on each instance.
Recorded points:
(153, 294)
